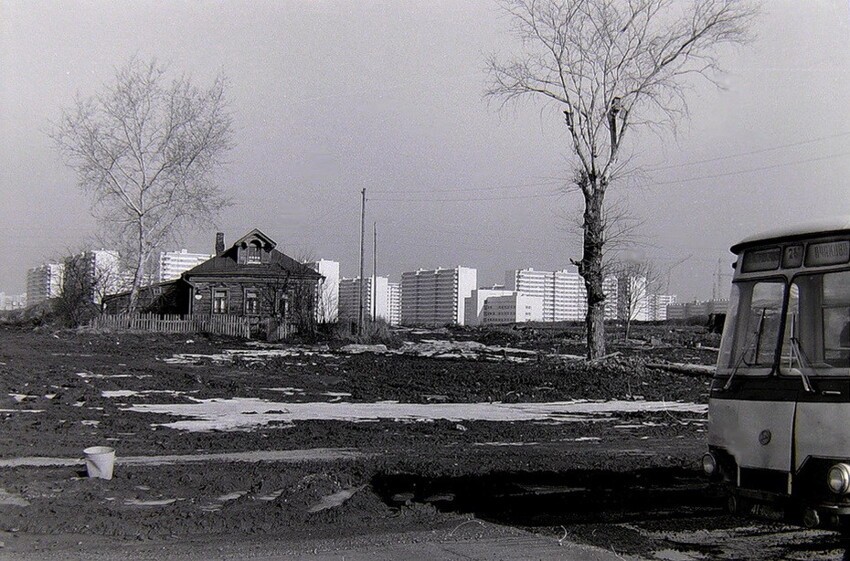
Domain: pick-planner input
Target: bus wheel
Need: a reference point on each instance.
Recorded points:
(733, 504)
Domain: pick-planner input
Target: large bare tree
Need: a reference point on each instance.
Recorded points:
(612, 65)
(147, 149)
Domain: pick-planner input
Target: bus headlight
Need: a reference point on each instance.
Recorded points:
(709, 464)
(838, 479)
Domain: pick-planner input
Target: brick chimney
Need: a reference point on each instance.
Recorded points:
(219, 243)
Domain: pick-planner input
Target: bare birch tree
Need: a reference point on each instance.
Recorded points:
(146, 150)
(612, 65)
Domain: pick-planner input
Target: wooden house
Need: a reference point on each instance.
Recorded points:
(249, 279)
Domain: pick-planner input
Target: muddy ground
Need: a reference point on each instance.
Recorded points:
(626, 479)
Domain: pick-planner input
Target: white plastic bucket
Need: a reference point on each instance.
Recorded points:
(99, 461)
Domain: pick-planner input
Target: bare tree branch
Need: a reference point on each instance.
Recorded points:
(147, 150)
(612, 65)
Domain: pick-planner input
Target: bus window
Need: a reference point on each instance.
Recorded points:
(836, 319)
(753, 342)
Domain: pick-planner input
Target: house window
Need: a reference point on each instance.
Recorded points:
(254, 252)
(219, 301)
(251, 302)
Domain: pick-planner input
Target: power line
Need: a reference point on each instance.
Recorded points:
(506, 198)
(750, 153)
(761, 168)
(515, 186)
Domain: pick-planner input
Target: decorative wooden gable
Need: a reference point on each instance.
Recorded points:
(254, 248)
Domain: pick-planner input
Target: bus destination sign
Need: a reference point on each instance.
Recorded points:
(761, 260)
(829, 253)
(792, 257)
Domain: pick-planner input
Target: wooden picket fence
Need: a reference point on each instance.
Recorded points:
(275, 330)
(233, 326)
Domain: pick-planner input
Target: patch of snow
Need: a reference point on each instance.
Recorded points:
(286, 391)
(118, 393)
(249, 413)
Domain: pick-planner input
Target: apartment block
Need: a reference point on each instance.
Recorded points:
(44, 282)
(95, 274)
(394, 299)
(512, 308)
(697, 308)
(172, 264)
(632, 298)
(474, 304)
(563, 292)
(328, 307)
(376, 299)
(658, 306)
(13, 301)
(436, 296)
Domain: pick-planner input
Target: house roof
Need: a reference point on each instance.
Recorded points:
(256, 234)
(278, 265)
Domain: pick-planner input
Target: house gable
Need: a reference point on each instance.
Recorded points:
(253, 255)
(254, 248)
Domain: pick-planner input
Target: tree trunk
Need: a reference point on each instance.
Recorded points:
(591, 268)
(139, 274)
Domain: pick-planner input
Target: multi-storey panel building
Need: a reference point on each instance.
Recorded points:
(377, 299)
(563, 292)
(436, 296)
(394, 303)
(697, 308)
(512, 308)
(632, 298)
(44, 282)
(172, 264)
(658, 306)
(328, 309)
(13, 301)
(473, 313)
(95, 274)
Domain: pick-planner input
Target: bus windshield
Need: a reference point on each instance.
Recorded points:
(817, 326)
(815, 340)
(752, 327)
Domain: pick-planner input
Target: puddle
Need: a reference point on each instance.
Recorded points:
(249, 413)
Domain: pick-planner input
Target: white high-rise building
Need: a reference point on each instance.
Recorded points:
(328, 309)
(44, 282)
(394, 303)
(13, 301)
(658, 306)
(95, 273)
(376, 299)
(172, 264)
(632, 298)
(563, 292)
(436, 296)
(512, 308)
(473, 314)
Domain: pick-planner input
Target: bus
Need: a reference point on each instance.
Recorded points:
(779, 404)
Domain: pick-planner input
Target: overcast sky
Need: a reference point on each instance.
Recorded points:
(332, 96)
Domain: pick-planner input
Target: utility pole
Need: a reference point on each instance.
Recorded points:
(362, 235)
(374, 270)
